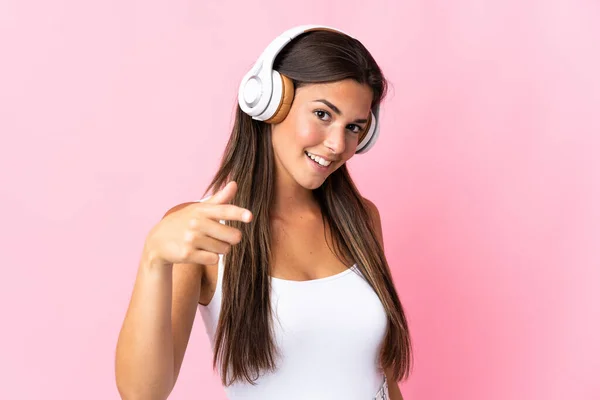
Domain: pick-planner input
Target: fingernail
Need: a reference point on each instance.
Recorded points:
(246, 216)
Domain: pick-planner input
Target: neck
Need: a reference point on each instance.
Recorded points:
(292, 199)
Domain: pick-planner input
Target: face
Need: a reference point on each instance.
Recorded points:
(321, 131)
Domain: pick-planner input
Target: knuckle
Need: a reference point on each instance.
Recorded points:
(194, 223)
(185, 252)
(200, 209)
(189, 237)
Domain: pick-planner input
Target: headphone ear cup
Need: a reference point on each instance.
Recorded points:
(369, 144)
(284, 101)
(368, 140)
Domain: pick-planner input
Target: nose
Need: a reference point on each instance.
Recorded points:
(335, 140)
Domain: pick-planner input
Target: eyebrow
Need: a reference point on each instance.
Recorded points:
(338, 112)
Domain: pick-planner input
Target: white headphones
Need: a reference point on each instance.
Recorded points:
(266, 95)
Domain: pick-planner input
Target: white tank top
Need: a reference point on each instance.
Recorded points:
(328, 332)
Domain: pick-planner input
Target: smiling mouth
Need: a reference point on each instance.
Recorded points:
(318, 160)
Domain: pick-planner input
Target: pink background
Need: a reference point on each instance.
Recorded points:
(486, 176)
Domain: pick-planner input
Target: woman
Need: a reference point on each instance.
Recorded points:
(285, 260)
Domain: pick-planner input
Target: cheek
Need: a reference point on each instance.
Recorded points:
(350, 149)
(308, 133)
(352, 143)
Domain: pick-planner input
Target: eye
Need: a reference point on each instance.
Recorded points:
(355, 128)
(322, 115)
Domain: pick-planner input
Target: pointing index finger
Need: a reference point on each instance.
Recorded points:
(229, 212)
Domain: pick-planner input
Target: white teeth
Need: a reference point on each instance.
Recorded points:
(318, 159)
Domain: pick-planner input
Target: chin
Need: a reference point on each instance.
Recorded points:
(311, 184)
(311, 179)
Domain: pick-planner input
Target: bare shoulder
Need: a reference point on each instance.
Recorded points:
(375, 218)
(373, 212)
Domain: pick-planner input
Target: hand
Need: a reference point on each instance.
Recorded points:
(193, 234)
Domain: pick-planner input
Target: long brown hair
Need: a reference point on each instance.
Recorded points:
(244, 342)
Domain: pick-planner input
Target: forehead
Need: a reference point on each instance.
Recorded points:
(348, 95)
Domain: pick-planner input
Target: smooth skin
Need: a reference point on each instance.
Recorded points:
(178, 266)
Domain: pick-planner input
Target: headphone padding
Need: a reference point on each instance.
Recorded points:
(285, 103)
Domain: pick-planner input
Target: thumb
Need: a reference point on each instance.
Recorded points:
(224, 195)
